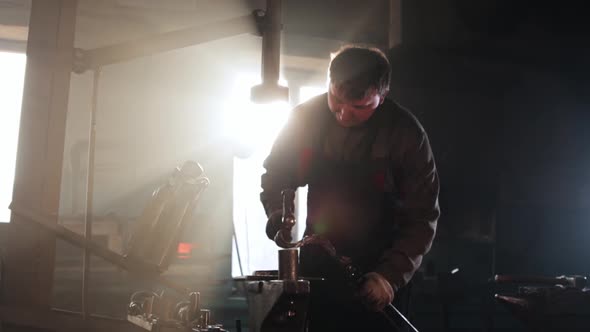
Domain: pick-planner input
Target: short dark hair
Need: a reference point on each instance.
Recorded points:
(355, 70)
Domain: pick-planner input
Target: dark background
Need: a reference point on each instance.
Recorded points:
(501, 87)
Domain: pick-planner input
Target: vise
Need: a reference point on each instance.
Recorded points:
(278, 300)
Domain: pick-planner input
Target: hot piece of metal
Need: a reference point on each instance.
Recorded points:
(288, 264)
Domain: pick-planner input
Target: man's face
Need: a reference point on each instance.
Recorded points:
(352, 112)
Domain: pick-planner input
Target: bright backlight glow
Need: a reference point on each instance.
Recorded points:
(308, 92)
(254, 128)
(251, 127)
(12, 67)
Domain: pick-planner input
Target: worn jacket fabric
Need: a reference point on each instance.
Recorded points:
(373, 189)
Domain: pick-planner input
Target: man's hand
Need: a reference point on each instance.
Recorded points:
(375, 291)
(273, 224)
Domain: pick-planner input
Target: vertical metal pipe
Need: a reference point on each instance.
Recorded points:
(395, 23)
(271, 42)
(270, 90)
(89, 194)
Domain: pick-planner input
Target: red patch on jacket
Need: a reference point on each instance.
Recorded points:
(379, 180)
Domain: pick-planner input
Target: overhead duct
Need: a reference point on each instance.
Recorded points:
(271, 25)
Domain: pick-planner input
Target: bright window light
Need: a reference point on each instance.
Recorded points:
(308, 92)
(253, 127)
(12, 67)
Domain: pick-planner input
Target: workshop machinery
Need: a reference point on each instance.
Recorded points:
(543, 303)
(149, 253)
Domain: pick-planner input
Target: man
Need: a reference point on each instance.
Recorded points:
(373, 189)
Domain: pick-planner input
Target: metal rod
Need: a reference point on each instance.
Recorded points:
(400, 315)
(89, 193)
(237, 248)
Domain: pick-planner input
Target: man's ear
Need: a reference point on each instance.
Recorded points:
(382, 96)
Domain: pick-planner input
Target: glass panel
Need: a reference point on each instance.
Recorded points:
(12, 67)
(67, 279)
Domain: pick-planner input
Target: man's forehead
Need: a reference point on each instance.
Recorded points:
(339, 92)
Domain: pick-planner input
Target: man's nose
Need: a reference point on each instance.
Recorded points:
(346, 113)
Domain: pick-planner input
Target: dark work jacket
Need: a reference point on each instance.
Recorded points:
(373, 189)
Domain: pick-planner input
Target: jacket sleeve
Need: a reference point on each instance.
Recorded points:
(281, 165)
(416, 213)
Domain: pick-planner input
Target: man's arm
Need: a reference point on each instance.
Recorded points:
(417, 213)
(281, 167)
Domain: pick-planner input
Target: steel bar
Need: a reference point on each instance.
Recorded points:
(400, 315)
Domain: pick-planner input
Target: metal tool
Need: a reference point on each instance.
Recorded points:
(278, 302)
(283, 237)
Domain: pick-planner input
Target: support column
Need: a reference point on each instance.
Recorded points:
(30, 251)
